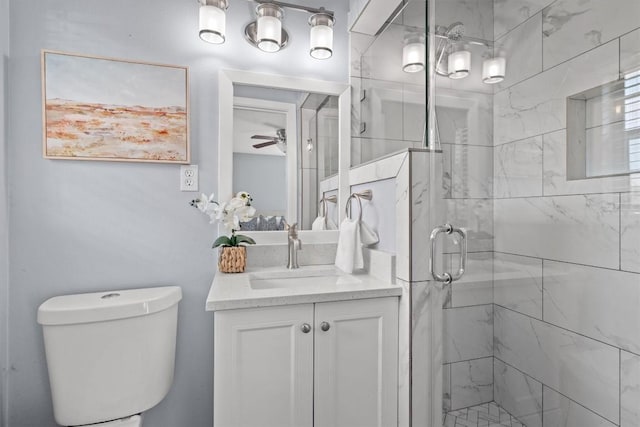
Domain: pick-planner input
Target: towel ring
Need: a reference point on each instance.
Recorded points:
(347, 209)
(325, 208)
(323, 203)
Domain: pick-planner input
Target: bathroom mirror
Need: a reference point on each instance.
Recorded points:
(285, 140)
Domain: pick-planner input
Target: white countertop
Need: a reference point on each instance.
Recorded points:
(309, 284)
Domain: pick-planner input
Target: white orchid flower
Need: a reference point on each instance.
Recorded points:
(236, 203)
(219, 211)
(205, 203)
(230, 213)
(245, 213)
(243, 195)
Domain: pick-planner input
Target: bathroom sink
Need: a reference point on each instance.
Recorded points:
(298, 278)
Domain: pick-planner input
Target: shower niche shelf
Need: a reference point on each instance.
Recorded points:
(603, 130)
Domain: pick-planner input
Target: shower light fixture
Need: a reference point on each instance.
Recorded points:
(213, 20)
(453, 57)
(493, 70)
(266, 32)
(413, 53)
(459, 62)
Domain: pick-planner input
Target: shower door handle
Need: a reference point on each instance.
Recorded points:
(448, 229)
(463, 254)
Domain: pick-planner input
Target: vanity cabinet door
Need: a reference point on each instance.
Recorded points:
(263, 367)
(356, 363)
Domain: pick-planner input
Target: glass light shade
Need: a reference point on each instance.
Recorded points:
(413, 57)
(493, 70)
(212, 23)
(321, 36)
(459, 64)
(269, 31)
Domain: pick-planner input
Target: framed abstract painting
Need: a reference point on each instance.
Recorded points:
(98, 108)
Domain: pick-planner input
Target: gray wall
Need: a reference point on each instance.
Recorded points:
(89, 226)
(4, 226)
(265, 178)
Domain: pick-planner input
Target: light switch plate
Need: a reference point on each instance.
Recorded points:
(189, 178)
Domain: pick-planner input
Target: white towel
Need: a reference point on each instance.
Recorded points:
(323, 223)
(367, 235)
(349, 253)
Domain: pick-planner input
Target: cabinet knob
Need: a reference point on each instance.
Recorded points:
(325, 326)
(306, 328)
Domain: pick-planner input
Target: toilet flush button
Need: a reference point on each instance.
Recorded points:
(111, 295)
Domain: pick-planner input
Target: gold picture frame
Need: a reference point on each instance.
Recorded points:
(107, 109)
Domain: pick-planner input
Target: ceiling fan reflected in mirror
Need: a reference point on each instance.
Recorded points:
(280, 140)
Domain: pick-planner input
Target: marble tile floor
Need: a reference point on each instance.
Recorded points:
(485, 415)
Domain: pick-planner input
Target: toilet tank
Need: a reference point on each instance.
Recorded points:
(109, 354)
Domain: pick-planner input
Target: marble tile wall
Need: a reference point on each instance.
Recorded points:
(517, 283)
(471, 383)
(468, 333)
(584, 229)
(572, 27)
(522, 64)
(562, 411)
(517, 393)
(566, 288)
(476, 286)
(538, 105)
(579, 367)
(629, 389)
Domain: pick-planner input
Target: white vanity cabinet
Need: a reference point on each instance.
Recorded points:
(328, 364)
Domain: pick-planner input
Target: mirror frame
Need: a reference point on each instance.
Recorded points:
(226, 79)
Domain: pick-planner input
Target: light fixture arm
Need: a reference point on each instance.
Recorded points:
(307, 9)
(222, 4)
(470, 40)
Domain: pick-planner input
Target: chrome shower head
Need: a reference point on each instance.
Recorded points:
(455, 31)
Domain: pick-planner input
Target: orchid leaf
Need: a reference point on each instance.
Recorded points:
(222, 241)
(244, 239)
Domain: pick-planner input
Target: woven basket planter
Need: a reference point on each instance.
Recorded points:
(232, 259)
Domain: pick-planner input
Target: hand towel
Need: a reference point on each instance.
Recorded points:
(367, 235)
(323, 223)
(349, 253)
(318, 224)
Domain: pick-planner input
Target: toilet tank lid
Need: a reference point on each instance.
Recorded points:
(109, 305)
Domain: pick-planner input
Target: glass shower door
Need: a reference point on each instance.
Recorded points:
(459, 141)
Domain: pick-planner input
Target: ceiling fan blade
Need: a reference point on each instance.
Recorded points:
(264, 144)
(262, 137)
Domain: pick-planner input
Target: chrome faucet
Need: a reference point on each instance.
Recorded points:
(294, 246)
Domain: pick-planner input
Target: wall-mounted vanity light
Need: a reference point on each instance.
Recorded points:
(321, 35)
(267, 32)
(413, 53)
(213, 20)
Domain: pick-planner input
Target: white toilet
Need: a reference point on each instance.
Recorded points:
(110, 355)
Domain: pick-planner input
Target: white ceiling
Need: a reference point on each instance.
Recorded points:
(256, 122)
